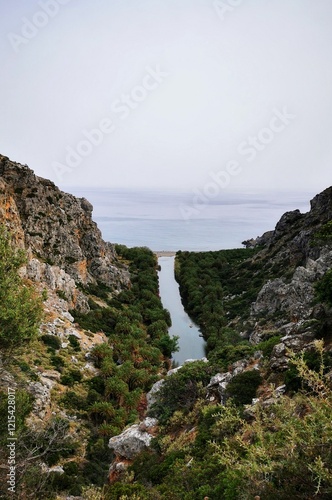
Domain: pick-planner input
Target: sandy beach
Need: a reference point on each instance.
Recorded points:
(165, 253)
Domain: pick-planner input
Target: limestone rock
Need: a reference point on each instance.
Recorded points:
(153, 393)
(133, 440)
(296, 343)
(56, 228)
(294, 299)
(218, 384)
(42, 394)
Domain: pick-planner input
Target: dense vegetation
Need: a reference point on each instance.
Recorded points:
(136, 354)
(217, 289)
(276, 451)
(203, 449)
(20, 307)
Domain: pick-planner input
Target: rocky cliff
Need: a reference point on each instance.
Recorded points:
(300, 255)
(65, 247)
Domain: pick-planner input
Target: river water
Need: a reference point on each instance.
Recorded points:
(191, 345)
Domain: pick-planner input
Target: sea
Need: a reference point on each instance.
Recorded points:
(173, 220)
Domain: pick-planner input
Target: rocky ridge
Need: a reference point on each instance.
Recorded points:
(286, 304)
(65, 254)
(64, 245)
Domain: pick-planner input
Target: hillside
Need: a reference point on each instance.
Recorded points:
(83, 336)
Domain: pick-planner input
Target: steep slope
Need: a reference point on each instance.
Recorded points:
(82, 375)
(57, 228)
(299, 252)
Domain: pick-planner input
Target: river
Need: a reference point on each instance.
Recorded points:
(191, 344)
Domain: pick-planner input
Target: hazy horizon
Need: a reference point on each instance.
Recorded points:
(215, 96)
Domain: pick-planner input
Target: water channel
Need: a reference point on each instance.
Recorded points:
(191, 344)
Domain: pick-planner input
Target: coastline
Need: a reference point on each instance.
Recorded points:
(165, 253)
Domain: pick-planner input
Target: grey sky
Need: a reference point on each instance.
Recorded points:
(179, 88)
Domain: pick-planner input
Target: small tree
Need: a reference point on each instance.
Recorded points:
(20, 306)
(324, 288)
(242, 388)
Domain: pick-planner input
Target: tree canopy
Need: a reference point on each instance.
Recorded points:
(20, 306)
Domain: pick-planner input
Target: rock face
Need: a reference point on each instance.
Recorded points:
(56, 228)
(152, 395)
(133, 440)
(285, 303)
(295, 299)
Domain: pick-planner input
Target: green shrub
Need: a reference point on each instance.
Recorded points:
(71, 468)
(181, 390)
(74, 343)
(51, 341)
(61, 294)
(20, 306)
(73, 401)
(266, 346)
(71, 377)
(58, 362)
(243, 387)
(324, 288)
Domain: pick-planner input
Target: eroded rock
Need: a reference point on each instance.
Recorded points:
(133, 440)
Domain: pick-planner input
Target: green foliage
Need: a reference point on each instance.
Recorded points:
(50, 444)
(58, 362)
(323, 235)
(119, 491)
(266, 346)
(208, 279)
(324, 288)
(71, 377)
(314, 360)
(25, 367)
(181, 390)
(61, 294)
(167, 345)
(138, 342)
(23, 406)
(243, 387)
(51, 341)
(74, 343)
(285, 452)
(73, 401)
(96, 320)
(20, 307)
(99, 457)
(282, 452)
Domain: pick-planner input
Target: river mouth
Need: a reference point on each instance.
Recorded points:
(191, 343)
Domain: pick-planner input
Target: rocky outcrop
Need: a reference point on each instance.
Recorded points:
(294, 299)
(56, 228)
(152, 395)
(294, 259)
(133, 440)
(217, 386)
(57, 280)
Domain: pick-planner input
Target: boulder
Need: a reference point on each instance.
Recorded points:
(153, 393)
(217, 386)
(133, 440)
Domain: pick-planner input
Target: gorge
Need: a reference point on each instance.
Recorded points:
(190, 342)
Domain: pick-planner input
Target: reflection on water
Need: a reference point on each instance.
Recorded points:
(191, 344)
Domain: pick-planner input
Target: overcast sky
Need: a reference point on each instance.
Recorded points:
(169, 93)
